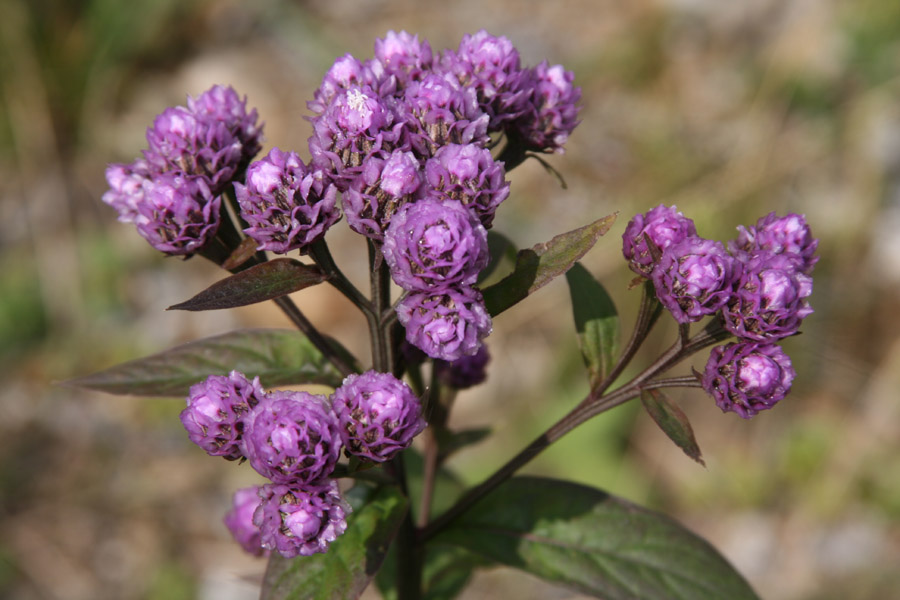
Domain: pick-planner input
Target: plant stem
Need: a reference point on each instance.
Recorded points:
(591, 406)
(309, 330)
(322, 256)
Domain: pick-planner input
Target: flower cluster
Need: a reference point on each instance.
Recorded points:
(405, 137)
(195, 152)
(759, 287)
(295, 439)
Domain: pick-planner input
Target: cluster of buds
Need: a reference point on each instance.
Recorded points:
(758, 287)
(194, 154)
(295, 440)
(405, 136)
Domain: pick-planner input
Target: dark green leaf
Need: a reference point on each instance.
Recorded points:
(596, 322)
(446, 572)
(672, 421)
(277, 356)
(539, 265)
(350, 563)
(502, 252)
(266, 281)
(594, 543)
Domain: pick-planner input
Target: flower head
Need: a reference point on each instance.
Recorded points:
(551, 113)
(379, 415)
(468, 173)
(432, 244)
(789, 234)
(287, 205)
(300, 521)
(404, 55)
(464, 372)
(177, 213)
(446, 325)
(694, 278)
(747, 377)
(292, 438)
(385, 185)
(647, 235)
(770, 298)
(239, 521)
(217, 411)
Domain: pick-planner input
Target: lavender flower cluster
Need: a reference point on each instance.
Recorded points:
(295, 439)
(758, 287)
(403, 139)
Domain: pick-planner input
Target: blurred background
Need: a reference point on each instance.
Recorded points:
(728, 109)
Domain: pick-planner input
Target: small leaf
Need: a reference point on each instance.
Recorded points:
(351, 562)
(277, 356)
(594, 543)
(244, 252)
(538, 266)
(502, 252)
(266, 281)
(672, 420)
(452, 441)
(596, 322)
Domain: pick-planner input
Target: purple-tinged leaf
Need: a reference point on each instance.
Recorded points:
(277, 356)
(593, 543)
(244, 252)
(539, 265)
(672, 420)
(266, 281)
(350, 563)
(596, 323)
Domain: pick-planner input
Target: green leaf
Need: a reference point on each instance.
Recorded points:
(594, 543)
(350, 563)
(538, 266)
(596, 322)
(277, 356)
(503, 254)
(267, 281)
(672, 420)
(445, 574)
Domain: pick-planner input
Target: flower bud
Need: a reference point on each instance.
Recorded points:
(446, 325)
(293, 438)
(646, 236)
(217, 412)
(464, 372)
(300, 521)
(379, 415)
(239, 521)
(747, 377)
(778, 235)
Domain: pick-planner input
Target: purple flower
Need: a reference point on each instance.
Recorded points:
(468, 173)
(466, 371)
(127, 186)
(646, 236)
(489, 65)
(358, 124)
(346, 72)
(770, 299)
(438, 111)
(379, 415)
(551, 112)
(287, 205)
(431, 245)
(177, 213)
(213, 137)
(217, 411)
(292, 438)
(239, 521)
(694, 278)
(779, 235)
(747, 377)
(446, 325)
(404, 55)
(300, 521)
(380, 190)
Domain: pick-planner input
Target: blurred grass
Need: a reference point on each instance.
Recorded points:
(728, 110)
